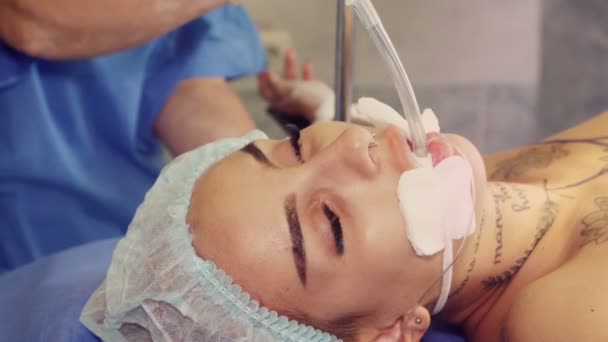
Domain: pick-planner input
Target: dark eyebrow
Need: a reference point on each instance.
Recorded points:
(257, 154)
(297, 240)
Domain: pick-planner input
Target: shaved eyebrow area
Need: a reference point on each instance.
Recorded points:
(297, 241)
(257, 154)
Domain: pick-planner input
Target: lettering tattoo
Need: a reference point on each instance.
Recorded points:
(548, 214)
(505, 194)
(473, 262)
(595, 225)
(522, 203)
(499, 226)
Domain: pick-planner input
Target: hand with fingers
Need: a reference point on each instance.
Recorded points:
(293, 97)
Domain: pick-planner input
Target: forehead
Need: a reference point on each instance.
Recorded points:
(233, 198)
(238, 223)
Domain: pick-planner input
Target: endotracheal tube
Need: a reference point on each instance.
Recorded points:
(368, 15)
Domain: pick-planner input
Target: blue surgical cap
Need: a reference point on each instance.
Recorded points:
(158, 289)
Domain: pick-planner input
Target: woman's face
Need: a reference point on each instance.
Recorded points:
(316, 230)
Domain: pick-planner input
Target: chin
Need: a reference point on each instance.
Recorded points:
(470, 153)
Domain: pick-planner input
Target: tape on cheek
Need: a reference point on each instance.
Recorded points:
(437, 204)
(418, 192)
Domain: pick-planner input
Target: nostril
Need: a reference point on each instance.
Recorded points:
(361, 150)
(373, 142)
(373, 157)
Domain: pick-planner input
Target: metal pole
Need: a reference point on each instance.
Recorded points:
(344, 61)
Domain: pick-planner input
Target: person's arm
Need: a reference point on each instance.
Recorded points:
(200, 111)
(66, 29)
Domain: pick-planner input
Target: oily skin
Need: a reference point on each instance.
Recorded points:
(238, 219)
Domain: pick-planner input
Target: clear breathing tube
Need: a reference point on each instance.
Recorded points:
(368, 15)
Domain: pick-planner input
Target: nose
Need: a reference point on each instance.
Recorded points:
(396, 149)
(348, 155)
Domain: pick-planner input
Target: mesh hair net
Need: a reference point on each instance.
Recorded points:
(158, 289)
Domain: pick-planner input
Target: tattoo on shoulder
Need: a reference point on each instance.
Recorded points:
(595, 224)
(598, 174)
(537, 157)
(548, 214)
(541, 156)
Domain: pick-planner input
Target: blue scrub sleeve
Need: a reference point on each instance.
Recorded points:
(12, 65)
(223, 43)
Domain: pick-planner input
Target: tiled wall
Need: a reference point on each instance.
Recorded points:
(574, 78)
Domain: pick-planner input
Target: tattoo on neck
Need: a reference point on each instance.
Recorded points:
(499, 226)
(548, 215)
(504, 195)
(473, 261)
(595, 224)
(522, 203)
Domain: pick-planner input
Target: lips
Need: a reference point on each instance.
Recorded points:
(439, 148)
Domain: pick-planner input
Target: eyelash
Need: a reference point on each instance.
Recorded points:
(336, 228)
(334, 221)
(294, 139)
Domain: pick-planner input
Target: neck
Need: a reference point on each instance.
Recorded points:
(512, 222)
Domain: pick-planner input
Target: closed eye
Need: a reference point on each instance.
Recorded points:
(336, 228)
(294, 139)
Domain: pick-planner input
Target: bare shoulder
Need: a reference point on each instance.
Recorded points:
(569, 304)
(592, 128)
(585, 144)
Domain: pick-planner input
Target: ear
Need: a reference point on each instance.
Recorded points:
(416, 324)
(394, 333)
(410, 328)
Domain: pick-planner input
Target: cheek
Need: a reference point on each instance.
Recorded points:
(385, 239)
(382, 229)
